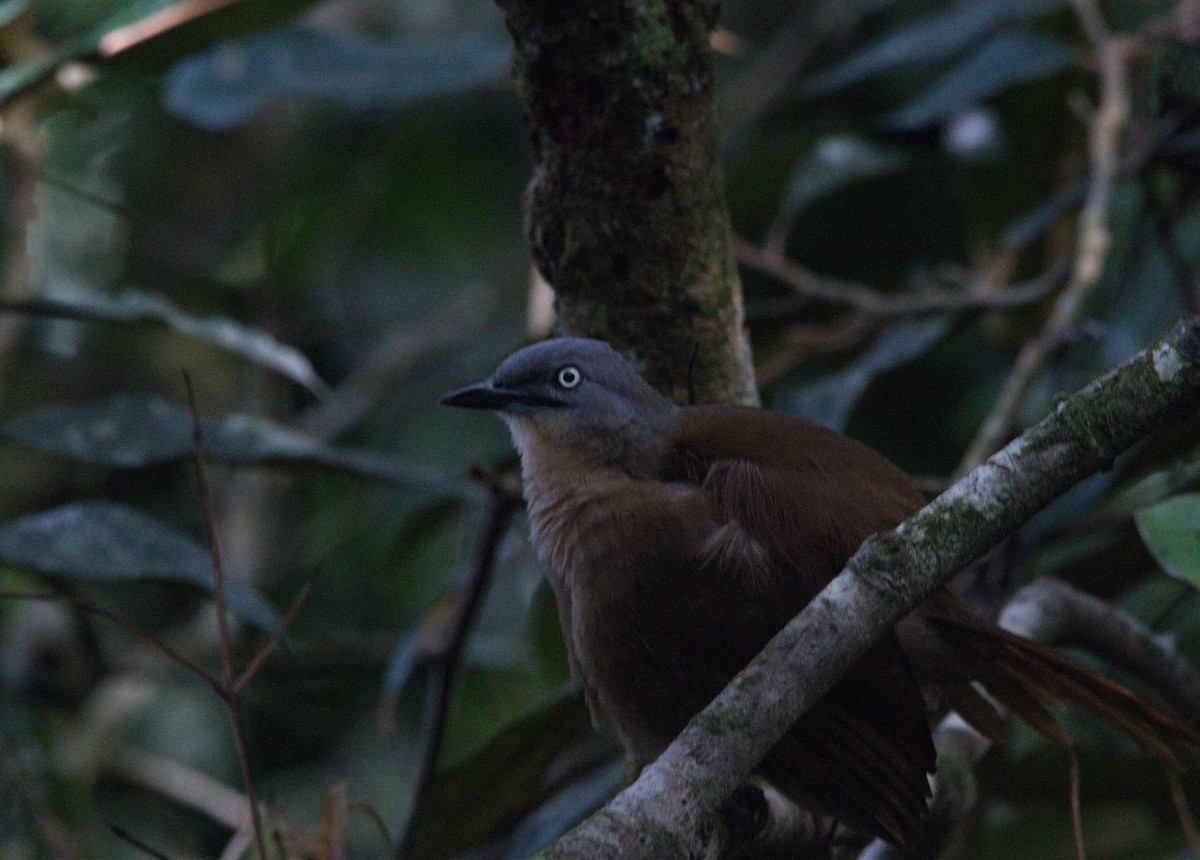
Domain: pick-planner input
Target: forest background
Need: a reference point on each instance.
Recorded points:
(316, 211)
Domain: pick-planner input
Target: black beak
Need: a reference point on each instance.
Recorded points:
(486, 395)
(481, 395)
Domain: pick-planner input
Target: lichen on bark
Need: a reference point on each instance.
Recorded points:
(625, 210)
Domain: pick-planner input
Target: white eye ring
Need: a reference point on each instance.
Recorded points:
(569, 376)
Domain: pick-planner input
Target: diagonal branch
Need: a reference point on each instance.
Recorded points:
(666, 812)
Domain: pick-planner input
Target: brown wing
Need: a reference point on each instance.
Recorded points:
(787, 523)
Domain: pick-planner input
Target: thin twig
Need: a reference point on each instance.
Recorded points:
(502, 506)
(232, 699)
(1076, 806)
(981, 294)
(126, 836)
(136, 629)
(1093, 237)
(388, 359)
(376, 818)
(1186, 820)
(176, 15)
(801, 342)
(271, 644)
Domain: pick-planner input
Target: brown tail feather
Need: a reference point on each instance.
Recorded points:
(1026, 676)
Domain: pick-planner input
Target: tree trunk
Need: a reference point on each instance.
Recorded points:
(626, 211)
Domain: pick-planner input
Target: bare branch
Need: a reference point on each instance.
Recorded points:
(232, 699)
(1051, 611)
(983, 293)
(126, 836)
(499, 513)
(271, 644)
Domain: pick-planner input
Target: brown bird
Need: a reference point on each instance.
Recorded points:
(679, 540)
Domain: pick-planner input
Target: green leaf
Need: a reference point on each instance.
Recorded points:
(107, 542)
(129, 431)
(483, 796)
(133, 306)
(830, 399)
(1005, 60)
(836, 161)
(934, 38)
(10, 9)
(1171, 531)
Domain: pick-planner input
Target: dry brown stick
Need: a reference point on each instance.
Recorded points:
(271, 644)
(231, 697)
(499, 513)
(982, 294)
(126, 836)
(1076, 805)
(1093, 237)
(1186, 819)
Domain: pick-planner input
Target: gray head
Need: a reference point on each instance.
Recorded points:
(576, 395)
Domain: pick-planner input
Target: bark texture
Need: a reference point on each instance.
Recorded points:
(625, 212)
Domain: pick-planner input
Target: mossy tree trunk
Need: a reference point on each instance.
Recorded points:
(626, 212)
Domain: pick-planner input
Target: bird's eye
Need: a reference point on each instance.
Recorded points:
(569, 377)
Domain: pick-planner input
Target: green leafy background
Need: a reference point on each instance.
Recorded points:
(315, 209)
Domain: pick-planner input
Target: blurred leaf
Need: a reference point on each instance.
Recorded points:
(1042, 217)
(125, 432)
(132, 306)
(21, 77)
(16, 79)
(836, 161)
(1005, 60)
(1171, 531)
(10, 9)
(830, 399)
(130, 432)
(430, 637)
(485, 794)
(226, 86)
(934, 38)
(565, 810)
(106, 542)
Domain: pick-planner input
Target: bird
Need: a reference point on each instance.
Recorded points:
(678, 539)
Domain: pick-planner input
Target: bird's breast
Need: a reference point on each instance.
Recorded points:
(616, 551)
